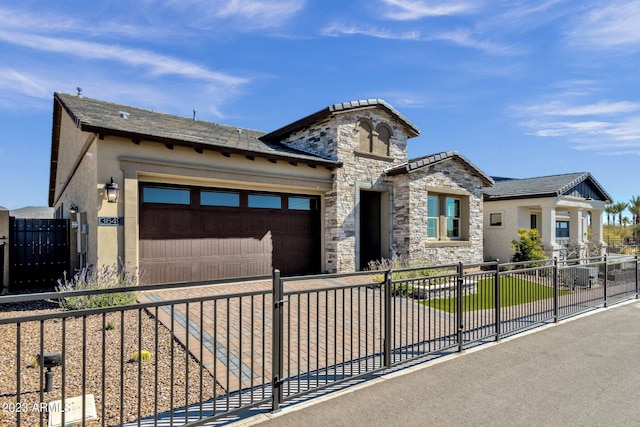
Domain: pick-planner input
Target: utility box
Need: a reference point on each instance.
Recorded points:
(585, 276)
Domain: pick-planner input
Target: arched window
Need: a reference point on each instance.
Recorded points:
(381, 142)
(365, 131)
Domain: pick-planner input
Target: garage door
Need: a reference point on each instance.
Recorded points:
(194, 234)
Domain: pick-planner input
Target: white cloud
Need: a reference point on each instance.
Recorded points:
(246, 15)
(461, 37)
(156, 64)
(337, 29)
(409, 10)
(466, 38)
(10, 79)
(600, 108)
(613, 25)
(611, 126)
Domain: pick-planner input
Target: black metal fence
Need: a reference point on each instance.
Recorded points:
(189, 353)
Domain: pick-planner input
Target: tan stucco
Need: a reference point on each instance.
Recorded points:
(129, 164)
(517, 214)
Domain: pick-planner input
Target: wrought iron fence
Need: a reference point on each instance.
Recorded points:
(189, 353)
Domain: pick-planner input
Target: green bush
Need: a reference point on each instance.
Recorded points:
(104, 277)
(141, 356)
(528, 247)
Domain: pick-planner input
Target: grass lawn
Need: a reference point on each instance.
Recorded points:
(513, 291)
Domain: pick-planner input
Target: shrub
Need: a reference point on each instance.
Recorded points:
(141, 356)
(104, 277)
(528, 247)
(416, 268)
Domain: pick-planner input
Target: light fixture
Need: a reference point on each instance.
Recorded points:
(73, 209)
(111, 191)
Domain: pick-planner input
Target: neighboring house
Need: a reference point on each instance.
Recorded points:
(36, 212)
(199, 200)
(563, 208)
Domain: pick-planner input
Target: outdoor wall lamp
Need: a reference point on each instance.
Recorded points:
(111, 191)
(73, 209)
(49, 360)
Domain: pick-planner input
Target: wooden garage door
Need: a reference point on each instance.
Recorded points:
(193, 233)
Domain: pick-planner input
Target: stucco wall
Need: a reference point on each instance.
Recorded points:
(497, 239)
(129, 164)
(76, 184)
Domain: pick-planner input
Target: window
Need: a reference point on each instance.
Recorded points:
(562, 229)
(301, 204)
(374, 142)
(432, 217)
(453, 217)
(365, 134)
(172, 196)
(265, 202)
(447, 217)
(219, 198)
(381, 140)
(495, 219)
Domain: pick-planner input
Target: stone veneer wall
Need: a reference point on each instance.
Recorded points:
(337, 137)
(410, 214)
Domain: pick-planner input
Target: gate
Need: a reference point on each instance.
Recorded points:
(38, 253)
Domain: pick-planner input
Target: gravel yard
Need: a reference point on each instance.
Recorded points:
(177, 371)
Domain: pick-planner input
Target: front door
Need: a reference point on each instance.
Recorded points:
(370, 227)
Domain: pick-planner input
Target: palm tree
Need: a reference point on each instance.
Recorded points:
(610, 210)
(634, 208)
(619, 208)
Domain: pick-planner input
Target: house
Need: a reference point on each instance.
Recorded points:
(564, 208)
(188, 200)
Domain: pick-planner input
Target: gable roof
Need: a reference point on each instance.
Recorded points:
(285, 131)
(106, 118)
(420, 162)
(546, 186)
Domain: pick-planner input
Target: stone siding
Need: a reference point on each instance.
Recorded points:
(405, 195)
(410, 213)
(338, 138)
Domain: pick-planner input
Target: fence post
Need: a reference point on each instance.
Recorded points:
(604, 284)
(497, 300)
(637, 289)
(387, 319)
(555, 290)
(277, 341)
(459, 306)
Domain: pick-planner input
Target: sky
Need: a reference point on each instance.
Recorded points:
(521, 88)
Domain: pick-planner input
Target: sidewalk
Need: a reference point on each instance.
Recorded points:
(582, 372)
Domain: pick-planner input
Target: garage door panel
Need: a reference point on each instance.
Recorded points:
(188, 243)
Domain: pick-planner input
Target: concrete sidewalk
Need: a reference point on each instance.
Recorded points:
(582, 372)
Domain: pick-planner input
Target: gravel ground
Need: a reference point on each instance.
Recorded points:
(120, 342)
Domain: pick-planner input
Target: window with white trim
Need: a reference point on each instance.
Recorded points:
(447, 217)
(495, 219)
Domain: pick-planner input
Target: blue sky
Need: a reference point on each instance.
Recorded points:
(521, 88)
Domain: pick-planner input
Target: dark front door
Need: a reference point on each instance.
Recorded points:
(370, 235)
(39, 253)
